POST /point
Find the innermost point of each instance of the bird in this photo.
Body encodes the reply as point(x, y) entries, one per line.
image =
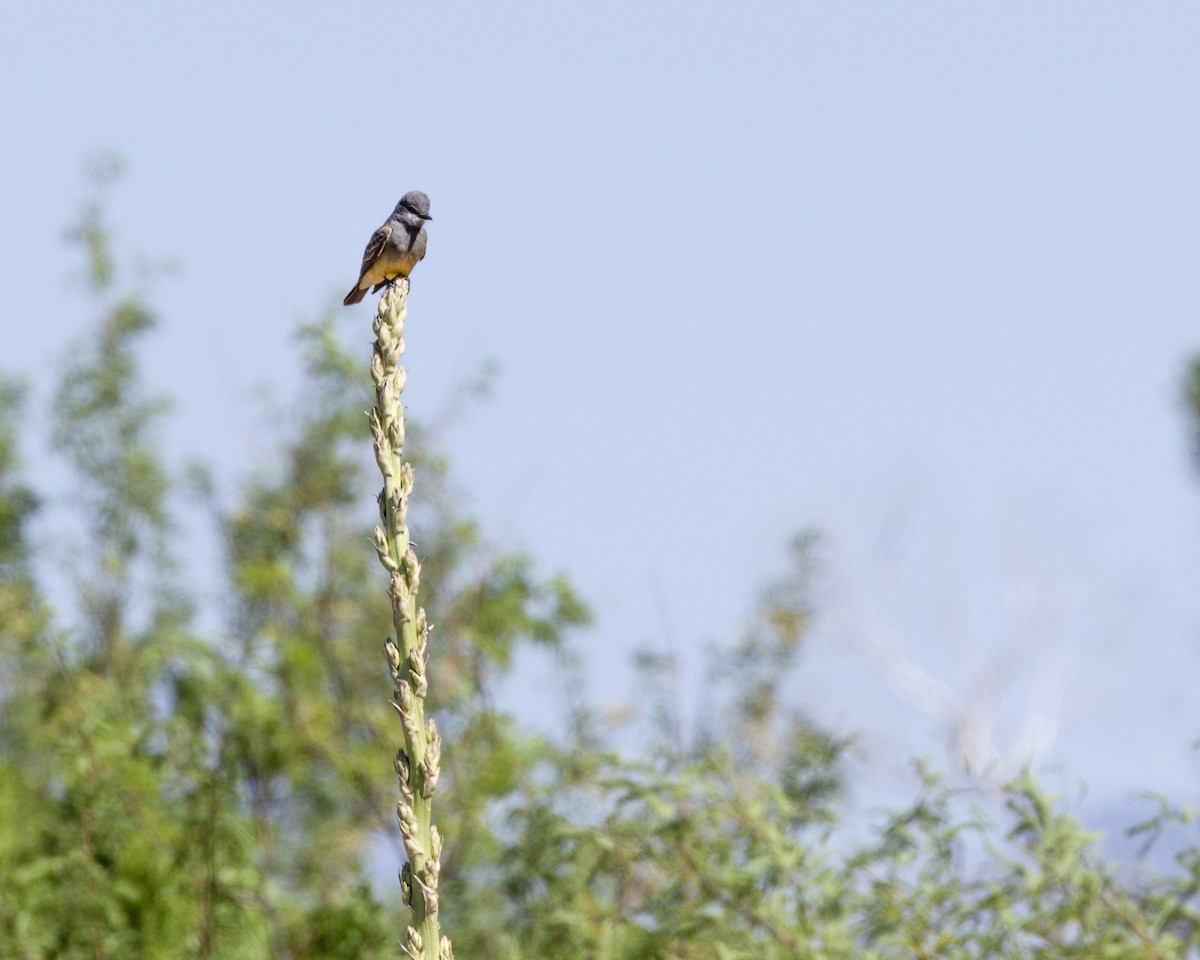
point(395, 248)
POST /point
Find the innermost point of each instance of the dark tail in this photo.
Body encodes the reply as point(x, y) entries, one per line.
point(354, 296)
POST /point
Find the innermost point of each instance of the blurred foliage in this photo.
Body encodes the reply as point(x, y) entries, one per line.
point(1191, 397)
point(196, 773)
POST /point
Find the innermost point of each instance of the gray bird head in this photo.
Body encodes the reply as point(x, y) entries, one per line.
point(413, 207)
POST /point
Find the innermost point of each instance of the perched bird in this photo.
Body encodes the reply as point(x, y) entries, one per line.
point(394, 248)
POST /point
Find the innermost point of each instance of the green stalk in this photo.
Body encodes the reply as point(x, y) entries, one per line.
point(417, 762)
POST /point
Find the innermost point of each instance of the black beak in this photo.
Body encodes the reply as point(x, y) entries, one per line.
point(427, 217)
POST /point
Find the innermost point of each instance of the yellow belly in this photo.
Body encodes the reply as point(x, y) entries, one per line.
point(390, 265)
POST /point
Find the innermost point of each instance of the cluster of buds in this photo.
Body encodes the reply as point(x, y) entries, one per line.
point(417, 762)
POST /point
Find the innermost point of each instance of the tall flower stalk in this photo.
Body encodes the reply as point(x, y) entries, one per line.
point(417, 761)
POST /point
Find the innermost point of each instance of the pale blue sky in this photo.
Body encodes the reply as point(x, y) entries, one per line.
point(920, 275)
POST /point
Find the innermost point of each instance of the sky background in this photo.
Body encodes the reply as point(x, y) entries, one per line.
point(920, 276)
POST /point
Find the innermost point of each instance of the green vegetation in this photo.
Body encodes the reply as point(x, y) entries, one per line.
point(190, 773)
